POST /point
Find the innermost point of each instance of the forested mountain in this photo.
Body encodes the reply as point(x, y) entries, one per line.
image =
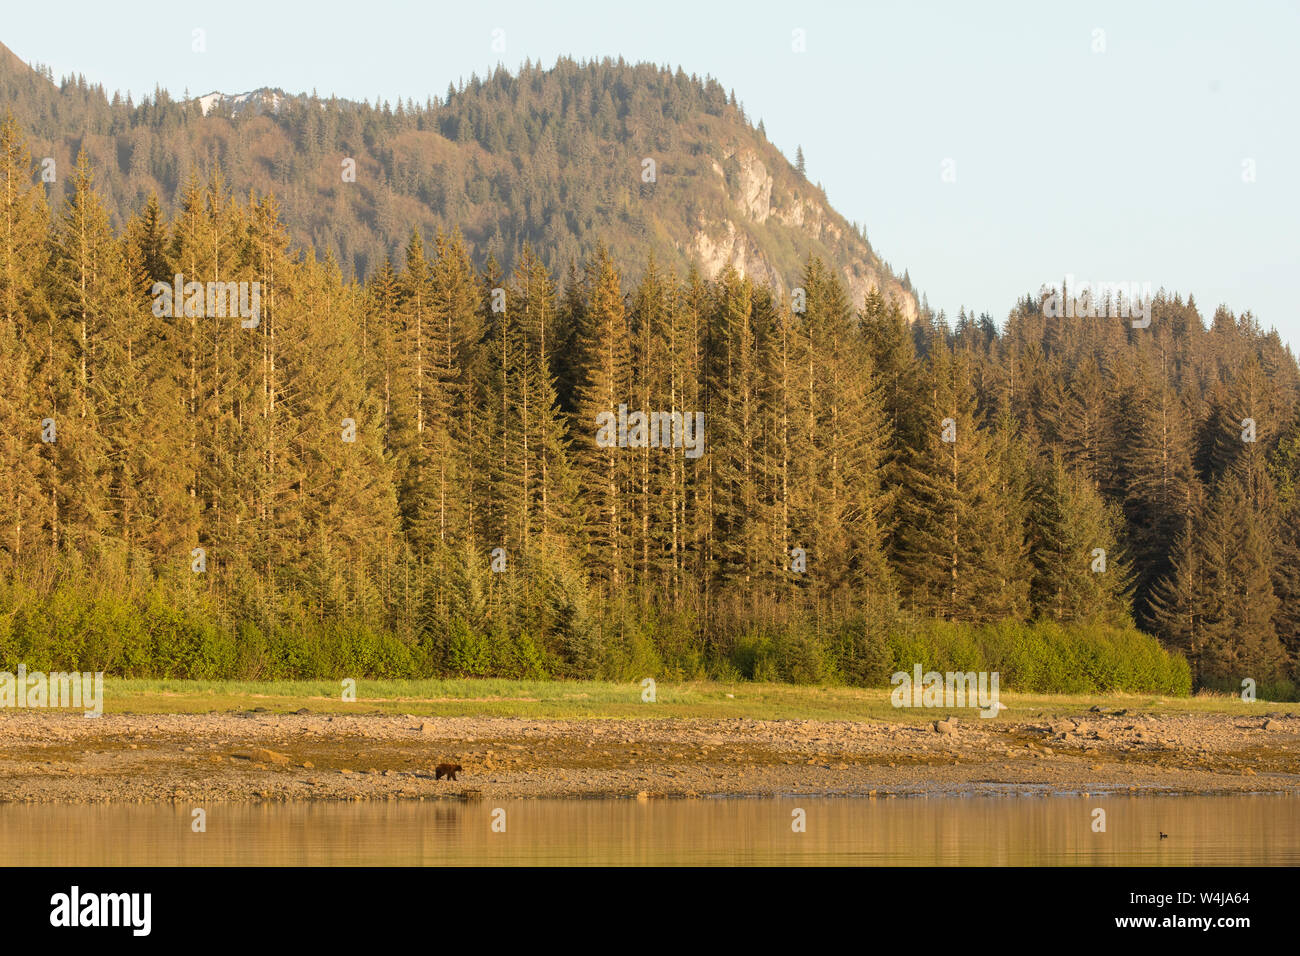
point(445, 468)
point(557, 158)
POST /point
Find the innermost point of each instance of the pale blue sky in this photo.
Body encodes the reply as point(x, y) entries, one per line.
point(1122, 165)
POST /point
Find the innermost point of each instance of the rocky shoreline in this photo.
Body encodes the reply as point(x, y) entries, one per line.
point(259, 756)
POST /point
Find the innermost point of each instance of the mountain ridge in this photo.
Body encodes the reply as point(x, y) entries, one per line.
point(554, 157)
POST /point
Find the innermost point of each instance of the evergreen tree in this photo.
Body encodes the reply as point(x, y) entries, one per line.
point(950, 505)
point(1079, 575)
point(605, 467)
point(24, 404)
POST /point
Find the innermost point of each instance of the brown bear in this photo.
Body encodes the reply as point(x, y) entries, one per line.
point(448, 770)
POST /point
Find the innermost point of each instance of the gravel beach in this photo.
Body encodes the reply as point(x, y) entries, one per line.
point(250, 756)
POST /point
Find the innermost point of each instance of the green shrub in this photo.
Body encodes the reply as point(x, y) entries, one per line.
point(171, 631)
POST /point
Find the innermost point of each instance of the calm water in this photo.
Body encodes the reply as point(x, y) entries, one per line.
point(1249, 830)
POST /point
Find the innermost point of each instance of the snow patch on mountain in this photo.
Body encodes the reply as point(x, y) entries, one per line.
point(257, 100)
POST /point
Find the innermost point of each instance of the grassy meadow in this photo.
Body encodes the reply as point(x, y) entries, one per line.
point(602, 699)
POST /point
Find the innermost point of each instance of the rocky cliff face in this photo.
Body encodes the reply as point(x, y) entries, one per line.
point(756, 200)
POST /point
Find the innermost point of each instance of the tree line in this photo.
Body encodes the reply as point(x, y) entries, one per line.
point(407, 471)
